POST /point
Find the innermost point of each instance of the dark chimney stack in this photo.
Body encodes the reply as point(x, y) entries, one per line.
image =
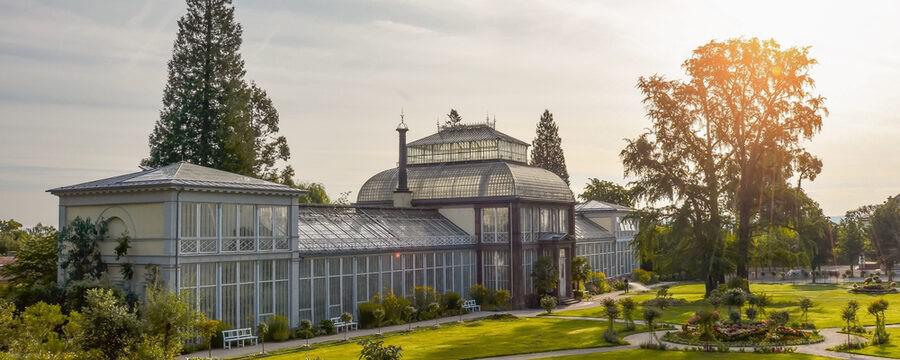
point(401, 183)
point(402, 195)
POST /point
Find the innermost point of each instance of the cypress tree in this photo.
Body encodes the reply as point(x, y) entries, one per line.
point(546, 150)
point(211, 116)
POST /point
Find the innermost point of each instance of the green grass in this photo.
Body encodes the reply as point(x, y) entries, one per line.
point(828, 301)
point(685, 355)
point(890, 350)
point(475, 339)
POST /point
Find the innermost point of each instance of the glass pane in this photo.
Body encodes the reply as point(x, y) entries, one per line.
point(188, 214)
point(208, 221)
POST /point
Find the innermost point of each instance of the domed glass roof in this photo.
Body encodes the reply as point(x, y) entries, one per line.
point(472, 180)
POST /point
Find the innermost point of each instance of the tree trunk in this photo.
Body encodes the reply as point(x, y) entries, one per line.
point(743, 240)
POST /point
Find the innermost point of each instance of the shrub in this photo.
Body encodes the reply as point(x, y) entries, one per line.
point(618, 285)
point(375, 350)
point(279, 329)
point(779, 318)
point(737, 283)
point(326, 327)
point(578, 294)
point(598, 284)
point(501, 298)
point(548, 303)
point(628, 307)
point(734, 317)
point(393, 308)
point(642, 276)
point(423, 296)
point(367, 318)
point(480, 294)
point(751, 313)
point(305, 331)
point(452, 301)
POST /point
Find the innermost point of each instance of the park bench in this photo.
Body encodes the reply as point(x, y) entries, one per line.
point(470, 305)
point(341, 325)
point(237, 335)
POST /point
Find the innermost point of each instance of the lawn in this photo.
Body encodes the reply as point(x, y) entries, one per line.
point(686, 355)
point(828, 301)
point(476, 339)
point(891, 350)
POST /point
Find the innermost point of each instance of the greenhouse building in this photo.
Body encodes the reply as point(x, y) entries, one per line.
point(462, 207)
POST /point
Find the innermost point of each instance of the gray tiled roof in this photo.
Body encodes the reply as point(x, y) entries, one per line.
point(182, 174)
point(469, 180)
point(595, 205)
point(459, 133)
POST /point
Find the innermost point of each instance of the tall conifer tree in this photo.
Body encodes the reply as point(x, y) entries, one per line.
point(546, 151)
point(211, 116)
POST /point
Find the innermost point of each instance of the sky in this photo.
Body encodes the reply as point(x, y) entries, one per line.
point(81, 82)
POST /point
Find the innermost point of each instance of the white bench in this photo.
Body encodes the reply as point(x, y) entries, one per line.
point(470, 305)
point(341, 325)
point(237, 335)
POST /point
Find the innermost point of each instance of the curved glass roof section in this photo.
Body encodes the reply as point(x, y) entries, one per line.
point(327, 229)
point(468, 181)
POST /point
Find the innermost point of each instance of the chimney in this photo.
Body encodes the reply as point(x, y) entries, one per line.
point(402, 195)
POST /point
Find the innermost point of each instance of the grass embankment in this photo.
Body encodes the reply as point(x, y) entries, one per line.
point(475, 339)
point(828, 301)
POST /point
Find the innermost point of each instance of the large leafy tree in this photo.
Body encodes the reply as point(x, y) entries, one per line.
point(36, 260)
point(11, 233)
point(885, 222)
point(211, 116)
point(732, 129)
point(607, 191)
point(83, 237)
point(760, 95)
point(546, 150)
point(853, 235)
point(108, 324)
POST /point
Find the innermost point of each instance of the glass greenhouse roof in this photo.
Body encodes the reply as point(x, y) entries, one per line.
point(324, 229)
point(469, 181)
point(585, 229)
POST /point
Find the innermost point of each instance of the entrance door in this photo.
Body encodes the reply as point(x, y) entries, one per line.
point(563, 286)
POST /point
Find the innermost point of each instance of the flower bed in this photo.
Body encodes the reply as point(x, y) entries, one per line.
point(874, 285)
point(745, 335)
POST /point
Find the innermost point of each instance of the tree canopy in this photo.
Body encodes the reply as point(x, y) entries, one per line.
point(546, 150)
point(885, 233)
point(211, 115)
point(36, 261)
point(607, 191)
point(722, 137)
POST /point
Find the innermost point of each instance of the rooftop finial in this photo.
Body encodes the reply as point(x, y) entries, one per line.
point(402, 126)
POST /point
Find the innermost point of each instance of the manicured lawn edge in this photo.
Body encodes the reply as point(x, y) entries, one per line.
point(301, 350)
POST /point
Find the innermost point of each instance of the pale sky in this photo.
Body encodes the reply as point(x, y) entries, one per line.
point(81, 82)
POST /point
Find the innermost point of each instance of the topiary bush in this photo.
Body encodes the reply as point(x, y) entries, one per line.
point(326, 327)
point(548, 303)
